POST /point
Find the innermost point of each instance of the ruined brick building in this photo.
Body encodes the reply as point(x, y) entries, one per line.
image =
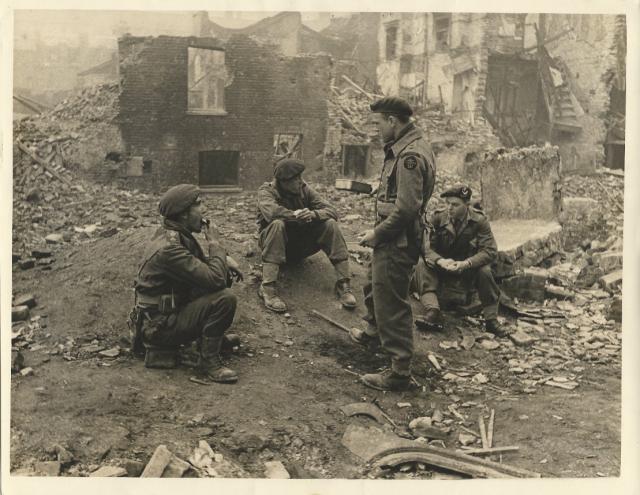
point(216, 112)
point(517, 71)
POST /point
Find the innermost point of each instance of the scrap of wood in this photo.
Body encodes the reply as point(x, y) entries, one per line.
point(432, 359)
point(350, 122)
point(446, 459)
point(471, 432)
point(494, 450)
point(490, 431)
point(42, 163)
point(483, 432)
point(358, 88)
point(329, 320)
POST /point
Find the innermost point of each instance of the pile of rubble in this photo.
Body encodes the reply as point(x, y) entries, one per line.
point(94, 104)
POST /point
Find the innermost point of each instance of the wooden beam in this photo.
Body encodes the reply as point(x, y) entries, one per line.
point(42, 163)
point(494, 450)
point(490, 428)
point(483, 432)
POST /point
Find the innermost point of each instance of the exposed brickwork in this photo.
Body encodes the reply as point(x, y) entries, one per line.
point(266, 93)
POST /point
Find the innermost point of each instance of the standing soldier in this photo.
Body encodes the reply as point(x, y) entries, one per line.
point(406, 184)
point(181, 294)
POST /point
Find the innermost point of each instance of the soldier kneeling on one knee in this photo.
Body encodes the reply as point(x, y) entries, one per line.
point(182, 294)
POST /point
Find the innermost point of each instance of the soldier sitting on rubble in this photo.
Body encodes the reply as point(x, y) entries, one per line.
point(294, 223)
point(462, 246)
point(182, 294)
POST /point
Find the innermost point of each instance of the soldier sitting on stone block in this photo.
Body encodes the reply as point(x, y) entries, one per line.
point(182, 293)
point(462, 247)
point(294, 223)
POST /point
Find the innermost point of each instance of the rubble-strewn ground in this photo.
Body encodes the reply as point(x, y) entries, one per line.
point(80, 401)
point(296, 371)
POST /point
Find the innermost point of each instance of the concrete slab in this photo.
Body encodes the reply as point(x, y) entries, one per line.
point(524, 243)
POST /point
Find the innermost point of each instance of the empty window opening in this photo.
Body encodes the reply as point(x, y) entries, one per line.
point(392, 42)
point(207, 77)
point(218, 168)
point(354, 160)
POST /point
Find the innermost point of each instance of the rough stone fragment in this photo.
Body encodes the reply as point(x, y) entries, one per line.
point(28, 300)
point(53, 239)
point(19, 313)
point(276, 470)
point(611, 281)
point(27, 264)
point(522, 339)
point(48, 468)
point(109, 472)
point(158, 462)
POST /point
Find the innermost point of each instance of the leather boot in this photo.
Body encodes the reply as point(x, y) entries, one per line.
point(430, 320)
point(210, 365)
point(345, 294)
point(269, 294)
point(365, 339)
point(493, 326)
point(388, 380)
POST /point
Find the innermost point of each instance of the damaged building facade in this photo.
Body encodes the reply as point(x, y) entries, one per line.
point(217, 113)
point(534, 78)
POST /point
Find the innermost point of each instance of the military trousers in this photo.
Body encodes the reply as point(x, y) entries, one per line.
point(210, 314)
point(282, 242)
point(386, 297)
point(428, 278)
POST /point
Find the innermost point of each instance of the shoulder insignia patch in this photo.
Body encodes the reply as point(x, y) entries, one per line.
point(173, 237)
point(410, 162)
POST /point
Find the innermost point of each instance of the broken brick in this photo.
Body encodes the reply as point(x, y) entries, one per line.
point(109, 472)
point(53, 239)
point(48, 468)
point(611, 281)
point(608, 261)
point(28, 300)
point(176, 468)
point(41, 253)
point(521, 338)
point(19, 313)
point(27, 264)
point(276, 470)
point(158, 462)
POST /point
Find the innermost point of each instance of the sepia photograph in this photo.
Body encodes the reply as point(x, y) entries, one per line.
point(315, 245)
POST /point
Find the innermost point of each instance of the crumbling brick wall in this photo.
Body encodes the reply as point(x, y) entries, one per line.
point(266, 93)
point(589, 53)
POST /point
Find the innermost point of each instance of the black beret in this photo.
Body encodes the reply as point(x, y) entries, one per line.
point(177, 199)
point(458, 191)
point(392, 104)
point(288, 168)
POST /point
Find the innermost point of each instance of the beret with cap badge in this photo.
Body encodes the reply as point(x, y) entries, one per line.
point(458, 191)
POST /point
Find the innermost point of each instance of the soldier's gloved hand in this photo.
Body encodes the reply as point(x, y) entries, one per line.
point(234, 269)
